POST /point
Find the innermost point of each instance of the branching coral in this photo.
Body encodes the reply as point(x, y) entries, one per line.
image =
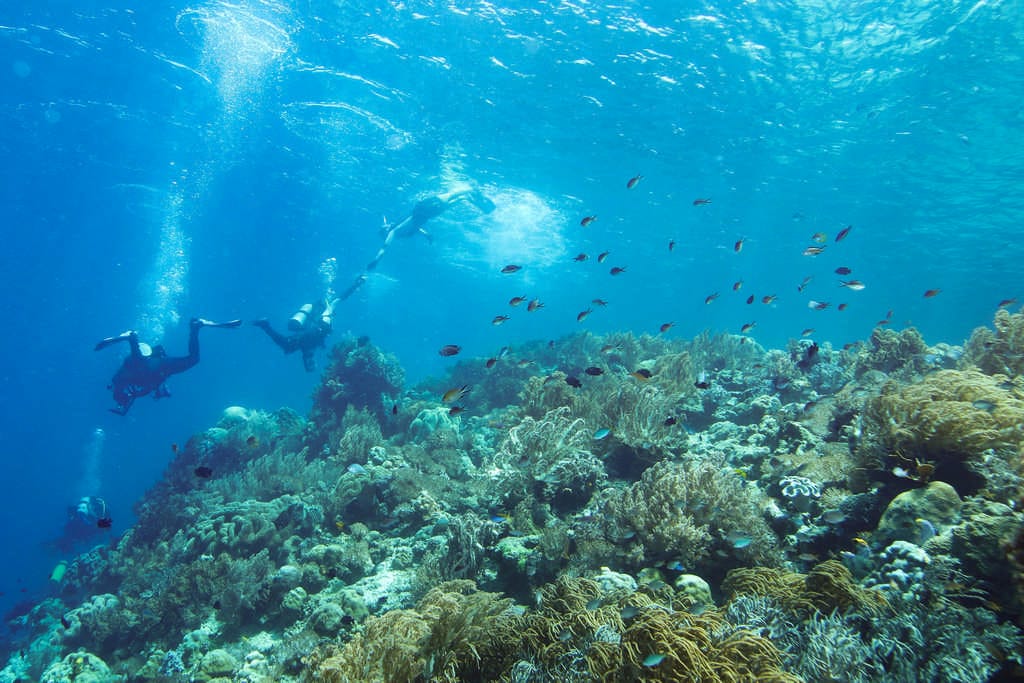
point(998, 351)
point(890, 351)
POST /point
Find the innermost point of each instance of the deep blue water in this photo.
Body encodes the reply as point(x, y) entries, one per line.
point(164, 160)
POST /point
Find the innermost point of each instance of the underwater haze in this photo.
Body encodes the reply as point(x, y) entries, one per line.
point(169, 160)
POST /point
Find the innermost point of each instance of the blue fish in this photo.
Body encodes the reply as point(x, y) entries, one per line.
point(356, 468)
point(602, 434)
point(653, 660)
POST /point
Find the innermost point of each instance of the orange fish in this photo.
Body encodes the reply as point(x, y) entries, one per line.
point(813, 251)
point(617, 270)
point(737, 285)
point(499, 319)
point(855, 285)
point(665, 327)
point(768, 298)
point(455, 394)
point(748, 327)
point(710, 297)
point(587, 220)
point(738, 247)
point(599, 302)
point(631, 183)
point(843, 233)
point(582, 315)
point(931, 292)
point(516, 300)
point(602, 256)
point(534, 305)
point(580, 257)
point(701, 201)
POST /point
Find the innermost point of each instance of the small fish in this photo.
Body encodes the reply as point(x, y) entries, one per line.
point(534, 305)
point(834, 516)
point(861, 542)
point(594, 604)
point(748, 327)
point(524, 362)
point(511, 268)
point(599, 302)
point(739, 540)
point(355, 468)
point(174, 448)
point(843, 233)
point(490, 363)
point(1006, 302)
point(455, 394)
point(671, 245)
point(573, 382)
point(216, 604)
point(499, 319)
point(394, 409)
point(883, 321)
point(339, 525)
point(642, 374)
point(888, 315)
point(665, 327)
point(203, 472)
point(500, 517)
point(807, 332)
point(516, 300)
point(580, 257)
point(855, 285)
point(803, 284)
point(629, 611)
point(841, 307)
point(455, 410)
point(843, 270)
point(928, 531)
point(582, 315)
point(449, 350)
point(602, 434)
point(813, 251)
point(653, 660)
point(669, 421)
point(931, 292)
point(587, 220)
point(817, 305)
point(104, 522)
point(768, 299)
point(701, 201)
point(346, 619)
point(602, 256)
point(616, 270)
point(750, 299)
point(710, 297)
point(738, 247)
point(982, 404)
point(819, 237)
point(64, 622)
point(702, 381)
point(608, 348)
point(631, 183)
point(252, 442)
point(594, 371)
point(901, 472)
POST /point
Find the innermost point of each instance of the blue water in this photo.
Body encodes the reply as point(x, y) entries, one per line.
point(165, 160)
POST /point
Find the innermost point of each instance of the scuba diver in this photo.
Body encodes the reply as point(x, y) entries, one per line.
point(89, 518)
point(146, 368)
point(426, 209)
point(309, 327)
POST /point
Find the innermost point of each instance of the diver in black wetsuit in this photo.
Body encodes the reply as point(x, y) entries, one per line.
point(146, 369)
point(309, 328)
point(425, 210)
point(87, 520)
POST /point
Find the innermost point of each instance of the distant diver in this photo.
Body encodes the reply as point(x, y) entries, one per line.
point(425, 210)
point(86, 520)
point(146, 368)
point(310, 327)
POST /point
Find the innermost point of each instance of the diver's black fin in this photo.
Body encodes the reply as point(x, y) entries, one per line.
point(104, 343)
point(210, 323)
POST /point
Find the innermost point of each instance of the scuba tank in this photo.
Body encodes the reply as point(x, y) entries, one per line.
point(57, 575)
point(298, 321)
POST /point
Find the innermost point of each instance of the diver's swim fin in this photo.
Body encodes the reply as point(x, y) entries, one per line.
point(481, 201)
point(104, 343)
point(209, 323)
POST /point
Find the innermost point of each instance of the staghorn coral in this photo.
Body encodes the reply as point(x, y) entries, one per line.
point(949, 417)
point(1000, 350)
point(827, 587)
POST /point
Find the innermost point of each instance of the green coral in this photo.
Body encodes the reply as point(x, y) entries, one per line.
point(890, 351)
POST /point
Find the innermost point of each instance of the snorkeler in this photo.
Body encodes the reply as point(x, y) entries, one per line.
point(309, 327)
point(146, 368)
point(426, 209)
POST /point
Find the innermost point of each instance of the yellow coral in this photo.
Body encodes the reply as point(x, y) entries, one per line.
point(828, 586)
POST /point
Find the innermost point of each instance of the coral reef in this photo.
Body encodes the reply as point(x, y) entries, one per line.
point(998, 351)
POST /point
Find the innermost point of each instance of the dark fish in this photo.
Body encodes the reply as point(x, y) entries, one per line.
point(587, 220)
point(516, 300)
point(669, 421)
point(573, 382)
point(602, 256)
point(642, 373)
point(702, 384)
point(710, 297)
point(768, 298)
point(450, 349)
point(490, 362)
point(347, 620)
point(252, 442)
point(510, 268)
point(174, 448)
point(843, 270)
point(747, 327)
point(499, 319)
point(104, 522)
point(534, 305)
point(599, 302)
point(594, 371)
point(455, 410)
point(582, 315)
point(738, 247)
point(843, 233)
point(931, 292)
point(700, 201)
point(581, 257)
point(616, 270)
point(394, 409)
point(665, 327)
point(217, 604)
point(841, 307)
point(64, 622)
point(737, 285)
point(1006, 302)
point(810, 357)
point(750, 299)
point(671, 245)
point(631, 183)
point(203, 472)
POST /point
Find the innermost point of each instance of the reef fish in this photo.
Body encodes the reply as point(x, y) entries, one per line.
point(582, 315)
point(594, 371)
point(499, 319)
point(616, 270)
point(573, 382)
point(455, 394)
point(602, 434)
point(631, 183)
point(855, 285)
point(511, 268)
point(843, 270)
point(516, 300)
point(931, 292)
point(203, 472)
point(450, 350)
point(701, 201)
point(587, 220)
point(653, 659)
point(602, 256)
point(843, 233)
point(580, 257)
